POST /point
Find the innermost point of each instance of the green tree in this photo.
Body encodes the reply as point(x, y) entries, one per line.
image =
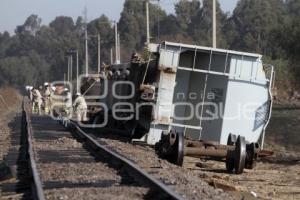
point(256, 21)
point(80, 25)
point(186, 10)
point(31, 25)
point(18, 71)
point(132, 24)
point(103, 26)
point(201, 25)
point(5, 43)
point(170, 30)
point(63, 25)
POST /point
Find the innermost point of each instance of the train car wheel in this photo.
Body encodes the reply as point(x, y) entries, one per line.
point(171, 147)
point(178, 149)
point(251, 155)
point(230, 154)
point(240, 155)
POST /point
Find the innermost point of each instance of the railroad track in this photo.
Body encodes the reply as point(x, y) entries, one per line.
point(69, 163)
point(37, 187)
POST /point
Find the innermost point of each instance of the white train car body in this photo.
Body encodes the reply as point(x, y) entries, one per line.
point(208, 93)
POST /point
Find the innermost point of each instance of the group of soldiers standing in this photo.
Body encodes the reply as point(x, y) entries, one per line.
point(44, 99)
point(39, 97)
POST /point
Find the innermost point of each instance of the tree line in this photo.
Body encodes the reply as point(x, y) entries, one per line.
point(37, 52)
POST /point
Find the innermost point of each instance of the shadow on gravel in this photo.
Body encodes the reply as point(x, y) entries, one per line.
point(221, 171)
point(108, 133)
point(39, 122)
point(282, 108)
point(282, 161)
point(57, 185)
point(64, 156)
point(17, 159)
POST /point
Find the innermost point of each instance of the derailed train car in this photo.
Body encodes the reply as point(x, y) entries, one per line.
point(191, 101)
point(117, 99)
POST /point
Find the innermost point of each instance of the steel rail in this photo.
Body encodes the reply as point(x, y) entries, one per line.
point(136, 170)
point(37, 184)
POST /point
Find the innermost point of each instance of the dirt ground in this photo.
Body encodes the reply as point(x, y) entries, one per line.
point(184, 181)
point(10, 104)
point(276, 177)
point(5, 136)
point(273, 178)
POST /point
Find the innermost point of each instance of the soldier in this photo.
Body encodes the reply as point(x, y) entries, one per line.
point(37, 101)
point(80, 107)
point(29, 92)
point(68, 103)
point(47, 98)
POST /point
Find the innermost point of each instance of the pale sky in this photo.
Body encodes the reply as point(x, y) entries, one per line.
point(15, 12)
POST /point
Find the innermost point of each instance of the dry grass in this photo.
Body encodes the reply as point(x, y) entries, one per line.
point(9, 98)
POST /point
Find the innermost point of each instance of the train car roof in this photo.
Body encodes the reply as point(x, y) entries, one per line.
point(193, 47)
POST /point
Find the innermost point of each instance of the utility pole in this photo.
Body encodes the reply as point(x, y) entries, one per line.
point(86, 44)
point(147, 23)
point(70, 54)
point(116, 43)
point(99, 53)
point(68, 72)
point(158, 21)
point(86, 54)
point(119, 48)
point(111, 56)
point(71, 68)
point(77, 71)
point(214, 26)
